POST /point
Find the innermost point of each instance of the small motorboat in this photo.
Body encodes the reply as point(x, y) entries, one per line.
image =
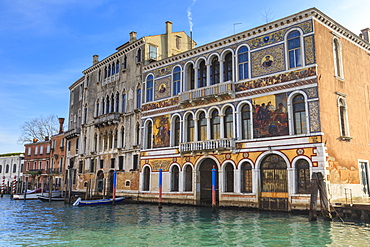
point(80, 202)
point(53, 199)
point(34, 194)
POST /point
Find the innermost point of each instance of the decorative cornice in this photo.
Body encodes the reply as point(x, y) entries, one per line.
point(295, 18)
point(115, 55)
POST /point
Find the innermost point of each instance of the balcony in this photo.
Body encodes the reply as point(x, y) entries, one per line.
point(34, 172)
point(110, 79)
point(207, 93)
point(52, 171)
point(72, 133)
point(209, 145)
point(107, 119)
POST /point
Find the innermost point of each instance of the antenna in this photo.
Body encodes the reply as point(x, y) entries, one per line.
point(236, 24)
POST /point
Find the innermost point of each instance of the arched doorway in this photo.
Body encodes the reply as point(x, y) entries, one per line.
point(205, 176)
point(110, 185)
point(274, 183)
point(100, 181)
point(146, 184)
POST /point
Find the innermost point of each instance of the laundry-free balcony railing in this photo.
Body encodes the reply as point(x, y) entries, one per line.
point(208, 145)
point(208, 92)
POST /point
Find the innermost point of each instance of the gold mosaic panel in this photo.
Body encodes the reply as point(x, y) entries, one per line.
point(314, 116)
point(277, 36)
point(162, 88)
point(268, 61)
point(309, 49)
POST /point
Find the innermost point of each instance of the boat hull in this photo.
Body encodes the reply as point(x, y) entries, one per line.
point(47, 198)
point(97, 202)
point(35, 196)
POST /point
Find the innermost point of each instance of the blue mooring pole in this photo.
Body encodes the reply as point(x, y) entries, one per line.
point(114, 185)
point(160, 189)
point(214, 186)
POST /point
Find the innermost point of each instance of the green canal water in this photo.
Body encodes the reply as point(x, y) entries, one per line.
point(36, 223)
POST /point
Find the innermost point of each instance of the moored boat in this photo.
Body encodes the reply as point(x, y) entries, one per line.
point(80, 202)
point(47, 198)
point(34, 194)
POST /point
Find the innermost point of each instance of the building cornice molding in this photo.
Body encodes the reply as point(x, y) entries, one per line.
point(115, 55)
point(311, 13)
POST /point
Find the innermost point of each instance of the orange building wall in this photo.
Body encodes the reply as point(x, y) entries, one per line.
point(343, 156)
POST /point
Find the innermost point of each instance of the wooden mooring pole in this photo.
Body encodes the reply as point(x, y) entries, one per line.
point(318, 185)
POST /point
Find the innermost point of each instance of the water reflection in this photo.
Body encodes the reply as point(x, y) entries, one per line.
point(34, 223)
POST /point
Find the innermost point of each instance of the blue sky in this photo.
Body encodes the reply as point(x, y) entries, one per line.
point(46, 44)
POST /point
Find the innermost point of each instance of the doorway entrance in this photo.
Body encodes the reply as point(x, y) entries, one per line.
point(274, 183)
point(205, 176)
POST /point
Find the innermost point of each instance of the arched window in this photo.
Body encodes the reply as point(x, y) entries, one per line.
point(202, 74)
point(124, 63)
point(303, 182)
point(190, 128)
point(105, 72)
point(294, 49)
point(117, 103)
point(7, 168)
point(175, 178)
point(138, 97)
point(97, 108)
point(343, 118)
point(176, 132)
point(146, 184)
point(115, 142)
point(124, 103)
point(117, 67)
point(149, 133)
point(107, 105)
point(176, 81)
point(228, 123)
point(113, 68)
point(95, 142)
point(243, 63)
point(246, 122)
point(110, 140)
point(85, 115)
point(246, 178)
point(215, 125)
point(215, 71)
point(190, 77)
point(99, 75)
point(122, 137)
point(338, 69)
point(299, 113)
point(202, 127)
point(137, 134)
point(229, 178)
point(112, 103)
point(149, 89)
point(1, 168)
point(228, 67)
point(188, 178)
point(138, 56)
point(109, 70)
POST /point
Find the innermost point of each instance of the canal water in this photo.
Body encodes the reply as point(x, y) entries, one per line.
point(36, 223)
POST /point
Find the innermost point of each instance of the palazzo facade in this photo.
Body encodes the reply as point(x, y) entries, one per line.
point(266, 108)
point(104, 125)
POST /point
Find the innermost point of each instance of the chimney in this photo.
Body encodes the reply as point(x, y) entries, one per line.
point(169, 38)
point(61, 122)
point(132, 36)
point(46, 138)
point(95, 59)
point(35, 140)
point(365, 34)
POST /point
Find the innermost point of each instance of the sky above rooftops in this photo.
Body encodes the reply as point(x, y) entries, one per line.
point(46, 44)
